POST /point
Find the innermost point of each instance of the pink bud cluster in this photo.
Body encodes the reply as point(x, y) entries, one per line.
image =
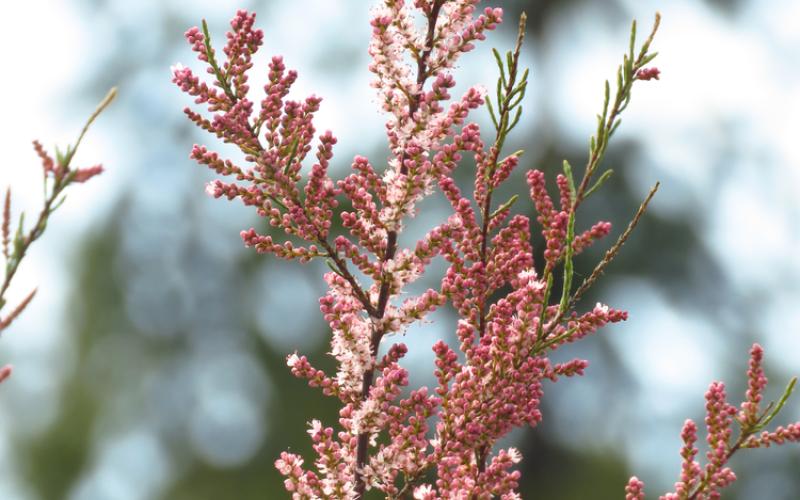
point(398, 48)
point(271, 183)
point(554, 223)
point(781, 434)
point(60, 171)
point(634, 490)
point(648, 74)
point(498, 386)
point(494, 380)
point(705, 483)
point(757, 381)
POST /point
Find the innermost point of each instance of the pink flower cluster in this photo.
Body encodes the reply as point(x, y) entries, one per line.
point(60, 171)
point(705, 483)
point(389, 437)
point(648, 74)
point(494, 381)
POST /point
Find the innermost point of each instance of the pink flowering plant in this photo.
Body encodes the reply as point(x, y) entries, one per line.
point(514, 312)
point(705, 483)
point(57, 174)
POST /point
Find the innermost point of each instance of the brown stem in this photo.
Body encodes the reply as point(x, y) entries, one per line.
point(391, 249)
point(341, 266)
point(482, 453)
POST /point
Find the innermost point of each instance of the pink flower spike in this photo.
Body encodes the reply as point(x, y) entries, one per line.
point(635, 489)
point(690, 470)
point(492, 379)
point(757, 381)
point(48, 163)
point(5, 372)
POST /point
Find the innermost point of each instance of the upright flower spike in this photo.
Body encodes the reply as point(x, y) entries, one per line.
point(690, 469)
point(757, 382)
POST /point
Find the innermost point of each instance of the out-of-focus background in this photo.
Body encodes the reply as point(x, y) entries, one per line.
point(151, 363)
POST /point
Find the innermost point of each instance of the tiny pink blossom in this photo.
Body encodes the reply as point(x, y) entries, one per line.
point(648, 73)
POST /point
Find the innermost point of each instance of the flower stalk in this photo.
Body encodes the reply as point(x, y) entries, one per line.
point(57, 175)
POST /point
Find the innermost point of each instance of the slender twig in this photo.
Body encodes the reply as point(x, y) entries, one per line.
point(502, 131)
point(626, 75)
point(600, 268)
point(612, 252)
point(15, 251)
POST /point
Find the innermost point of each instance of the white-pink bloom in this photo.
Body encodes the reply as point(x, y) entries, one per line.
point(316, 427)
point(514, 455)
point(424, 492)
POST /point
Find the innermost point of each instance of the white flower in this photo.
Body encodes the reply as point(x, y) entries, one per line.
point(316, 427)
point(514, 455)
point(292, 360)
point(177, 67)
point(211, 189)
point(601, 308)
point(422, 492)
